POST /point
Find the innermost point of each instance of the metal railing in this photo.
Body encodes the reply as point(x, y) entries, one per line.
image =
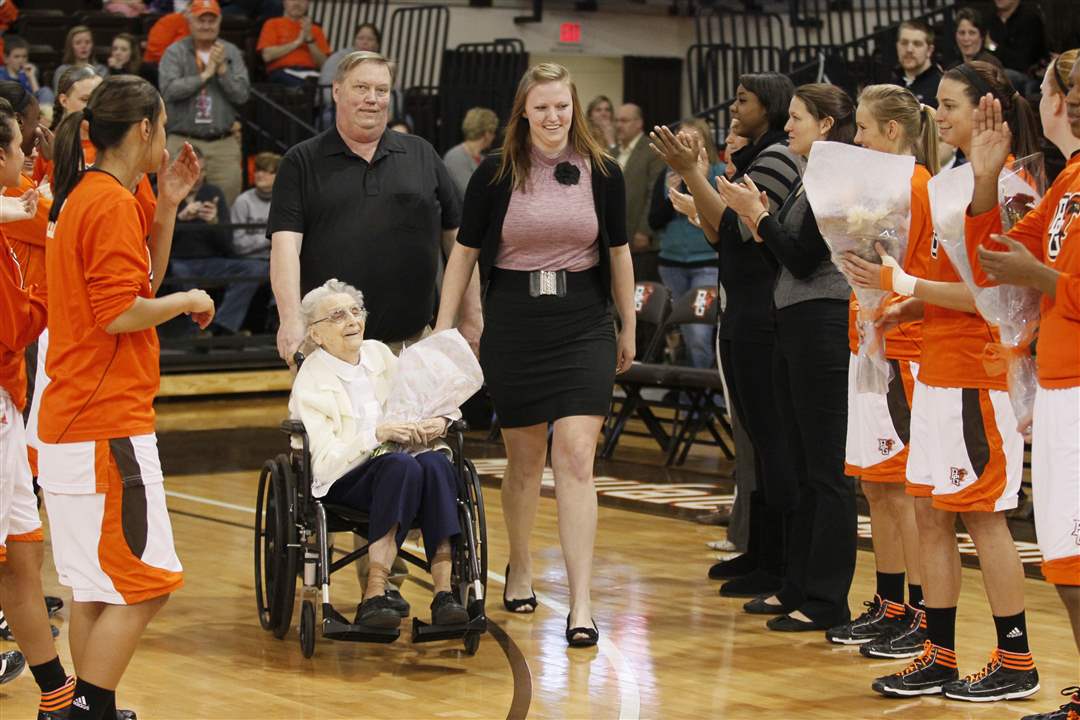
point(478, 74)
point(416, 40)
point(339, 19)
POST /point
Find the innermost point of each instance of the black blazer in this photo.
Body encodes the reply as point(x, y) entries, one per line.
point(486, 203)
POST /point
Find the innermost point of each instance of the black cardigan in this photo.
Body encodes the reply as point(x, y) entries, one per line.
point(486, 202)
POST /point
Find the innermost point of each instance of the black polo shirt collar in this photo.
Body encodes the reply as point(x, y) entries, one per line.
point(333, 144)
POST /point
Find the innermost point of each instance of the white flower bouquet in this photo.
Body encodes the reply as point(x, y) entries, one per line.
point(434, 377)
point(861, 198)
point(1013, 310)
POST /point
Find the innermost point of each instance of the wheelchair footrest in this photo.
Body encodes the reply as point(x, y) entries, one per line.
point(425, 632)
point(336, 627)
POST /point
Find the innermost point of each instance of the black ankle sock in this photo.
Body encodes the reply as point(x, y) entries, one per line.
point(1012, 633)
point(49, 676)
point(914, 593)
point(941, 626)
point(91, 702)
point(890, 586)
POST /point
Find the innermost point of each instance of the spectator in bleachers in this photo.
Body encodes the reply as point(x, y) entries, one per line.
point(686, 259)
point(9, 13)
point(641, 167)
point(78, 50)
point(292, 46)
point(18, 68)
point(479, 127)
point(124, 57)
point(972, 37)
point(601, 115)
point(204, 82)
point(367, 38)
point(917, 70)
point(127, 8)
point(1019, 36)
point(253, 206)
point(167, 30)
point(371, 207)
point(201, 249)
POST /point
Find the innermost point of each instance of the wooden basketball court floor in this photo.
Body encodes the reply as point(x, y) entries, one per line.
point(670, 646)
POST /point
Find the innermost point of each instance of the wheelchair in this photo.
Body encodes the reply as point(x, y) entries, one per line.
point(292, 541)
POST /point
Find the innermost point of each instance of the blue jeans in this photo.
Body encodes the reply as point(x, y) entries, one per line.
point(248, 274)
point(699, 339)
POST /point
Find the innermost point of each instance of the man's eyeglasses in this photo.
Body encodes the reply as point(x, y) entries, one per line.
point(342, 315)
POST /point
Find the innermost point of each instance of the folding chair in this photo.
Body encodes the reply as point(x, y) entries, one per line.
point(652, 305)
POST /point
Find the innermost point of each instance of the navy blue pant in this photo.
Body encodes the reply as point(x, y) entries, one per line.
point(396, 489)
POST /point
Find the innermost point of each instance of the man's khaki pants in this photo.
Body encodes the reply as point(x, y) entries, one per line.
point(223, 160)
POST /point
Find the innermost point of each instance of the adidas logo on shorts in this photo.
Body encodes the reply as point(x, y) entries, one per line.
point(957, 475)
point(80, 702)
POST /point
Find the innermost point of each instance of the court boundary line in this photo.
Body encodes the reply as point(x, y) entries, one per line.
point(629, 689)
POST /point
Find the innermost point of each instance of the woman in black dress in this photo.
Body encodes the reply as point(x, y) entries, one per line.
point(545, 219)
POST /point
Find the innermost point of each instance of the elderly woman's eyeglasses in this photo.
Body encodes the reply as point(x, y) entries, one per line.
point(342, 315)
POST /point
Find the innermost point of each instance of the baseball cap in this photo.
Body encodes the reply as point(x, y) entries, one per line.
point(202, 7)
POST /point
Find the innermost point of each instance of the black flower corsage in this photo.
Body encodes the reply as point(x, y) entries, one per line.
point(567, 173)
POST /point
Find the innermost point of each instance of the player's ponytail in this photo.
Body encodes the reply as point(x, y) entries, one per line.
point(928, 140)
point(115, 105)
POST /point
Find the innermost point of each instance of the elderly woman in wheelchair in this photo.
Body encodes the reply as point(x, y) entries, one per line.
point(397, 473)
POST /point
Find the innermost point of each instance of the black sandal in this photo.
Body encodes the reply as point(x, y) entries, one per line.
point(592, 635)
point(521, 606)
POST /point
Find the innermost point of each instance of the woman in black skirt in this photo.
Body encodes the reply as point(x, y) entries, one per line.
point(545, 219)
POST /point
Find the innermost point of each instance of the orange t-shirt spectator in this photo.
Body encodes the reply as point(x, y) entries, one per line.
point(167, 30)
point(292, 42)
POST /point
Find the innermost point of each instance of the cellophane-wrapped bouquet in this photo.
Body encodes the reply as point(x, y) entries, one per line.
point(434, 377)
point(860, 198)
point(1013, 310)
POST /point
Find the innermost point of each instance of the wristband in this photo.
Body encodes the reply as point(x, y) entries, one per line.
point(894, 279)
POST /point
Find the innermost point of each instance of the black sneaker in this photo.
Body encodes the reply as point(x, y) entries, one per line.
point(882, 618)
point(907, 643)
point(53, 604)
point(1068, 711)
point(1008, 676)
point(445, 610)
point(400, 604)
point(377, 612)
point(5, 631)
point(65, 713)
point(12, 663)
point(926, 675)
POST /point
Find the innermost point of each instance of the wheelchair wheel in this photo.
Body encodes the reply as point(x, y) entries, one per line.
point(263, 570)
point(463, 570)
point(479, 520)
point(307, 628)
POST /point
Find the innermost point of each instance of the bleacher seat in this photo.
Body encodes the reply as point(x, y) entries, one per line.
point(43, 27)
point(106, 26)
point(47, 58)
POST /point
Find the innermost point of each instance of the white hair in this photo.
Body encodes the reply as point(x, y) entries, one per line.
point(309, 306)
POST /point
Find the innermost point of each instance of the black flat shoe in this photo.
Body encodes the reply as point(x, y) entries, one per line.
point(786, 623)
point(445, 610)
point(758, 606)
point(756, 583)
point(573, 635)
point(521, 606)
point(400, 604)
point(377, 612)
point(735, 567)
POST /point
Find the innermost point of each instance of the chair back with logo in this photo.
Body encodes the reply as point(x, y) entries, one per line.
point(652, 306)
point(698, 306)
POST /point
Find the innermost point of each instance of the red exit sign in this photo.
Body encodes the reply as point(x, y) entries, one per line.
point(570, 33)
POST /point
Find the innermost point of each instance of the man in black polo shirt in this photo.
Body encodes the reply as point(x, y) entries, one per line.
point(369, 207)
point(917, 71)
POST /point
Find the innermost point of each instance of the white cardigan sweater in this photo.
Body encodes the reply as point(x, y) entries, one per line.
point(319, 400)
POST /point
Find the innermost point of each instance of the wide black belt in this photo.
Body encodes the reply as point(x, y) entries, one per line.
point(540, 283)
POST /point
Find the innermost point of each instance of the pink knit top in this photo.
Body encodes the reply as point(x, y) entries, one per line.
point(550, 226)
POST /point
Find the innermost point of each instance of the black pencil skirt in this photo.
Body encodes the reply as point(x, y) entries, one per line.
point(547, 357)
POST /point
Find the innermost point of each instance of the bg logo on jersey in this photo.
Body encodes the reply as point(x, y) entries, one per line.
point(885, 446)
point(1067, 210)
point(642, 293)
point(957, 475)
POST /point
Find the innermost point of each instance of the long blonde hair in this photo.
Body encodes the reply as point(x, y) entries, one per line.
point(516, 147)
point(916, 121)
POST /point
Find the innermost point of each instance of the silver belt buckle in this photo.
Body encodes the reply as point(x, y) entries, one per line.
point(548, 283)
